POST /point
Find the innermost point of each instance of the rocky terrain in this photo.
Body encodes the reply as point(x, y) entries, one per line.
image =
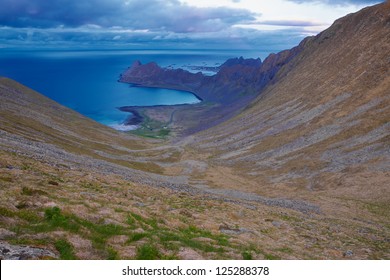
point(299, 170)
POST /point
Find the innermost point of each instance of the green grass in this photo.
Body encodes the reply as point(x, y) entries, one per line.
point(164, 132)
point(247, 255)
point(290, 218)
point(28, 216)
point(26, 166)
point(285, 250)
point(65, 249)
point(148, 252)
point(156, 234)
point(23, 214)
point(112, 254)
point(187, 238)
point(6, 212)
point(6, 179)
point(271, 257)
point(99, 233)
point(381, 209)
point(30, 192)
point(135, 219)
point(134, 237)
point(57, 220)
point(151, 128)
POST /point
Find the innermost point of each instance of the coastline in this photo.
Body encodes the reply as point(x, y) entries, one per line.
point(163, 87)
point(136, 118)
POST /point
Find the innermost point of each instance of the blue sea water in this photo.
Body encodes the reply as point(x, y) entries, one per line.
point(86, 81)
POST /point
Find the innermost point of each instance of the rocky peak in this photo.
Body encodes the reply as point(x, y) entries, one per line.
point(242, 61)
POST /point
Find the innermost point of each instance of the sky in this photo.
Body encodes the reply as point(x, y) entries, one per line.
point(167, 24)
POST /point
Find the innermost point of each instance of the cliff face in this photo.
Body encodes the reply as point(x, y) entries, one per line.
point(151, 75)
point(236, 78)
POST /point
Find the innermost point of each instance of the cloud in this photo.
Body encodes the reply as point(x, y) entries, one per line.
point(85, 37)
point(146, 23)
point(137, 14)
point(288, 23)
point(117, 22)
point(339, 2)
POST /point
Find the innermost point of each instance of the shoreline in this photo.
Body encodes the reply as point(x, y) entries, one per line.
point(136, 118)
point(163, 87)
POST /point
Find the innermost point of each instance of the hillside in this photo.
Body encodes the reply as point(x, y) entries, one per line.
point(321, 133)
point(301, 172)
point(72, 188)
point(327, 113)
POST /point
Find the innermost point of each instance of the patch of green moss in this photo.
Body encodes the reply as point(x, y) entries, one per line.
point(112, 254)
point(247, 255)
point(148, 252)
point(30, 191)
point(56, 219)
point(65, 249)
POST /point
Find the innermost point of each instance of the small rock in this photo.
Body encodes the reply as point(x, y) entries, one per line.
point(118, 239)
point(139, 230)
point(226, 229)
point(50, 204)
point(277, 224)
point(15, 252)
point(139, 204)
point(5, 251)
point(348, 253)
point(186, 213)
point(189, 254)
point(204, 239)
point(108, 221)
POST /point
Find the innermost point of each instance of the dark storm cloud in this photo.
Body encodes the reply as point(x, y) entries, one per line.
point(142, 23)
point(339, 2)
point(90, 37)
point(135, 14)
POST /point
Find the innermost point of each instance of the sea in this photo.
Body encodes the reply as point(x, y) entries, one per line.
point(87, 80)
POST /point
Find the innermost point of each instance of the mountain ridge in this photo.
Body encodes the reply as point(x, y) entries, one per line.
point(311, 109)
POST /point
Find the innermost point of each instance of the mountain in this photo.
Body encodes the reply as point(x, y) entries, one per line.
point(300, 170)
point(327, 112)
point(235, 85)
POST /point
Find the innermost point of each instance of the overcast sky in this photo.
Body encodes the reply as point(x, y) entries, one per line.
point(153, 24)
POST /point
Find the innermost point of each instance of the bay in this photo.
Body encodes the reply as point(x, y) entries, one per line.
point(86, 81)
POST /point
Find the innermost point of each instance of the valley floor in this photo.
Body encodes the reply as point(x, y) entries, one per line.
point(73, 211)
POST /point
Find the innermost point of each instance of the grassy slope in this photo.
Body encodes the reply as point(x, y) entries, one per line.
point(59, 189)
